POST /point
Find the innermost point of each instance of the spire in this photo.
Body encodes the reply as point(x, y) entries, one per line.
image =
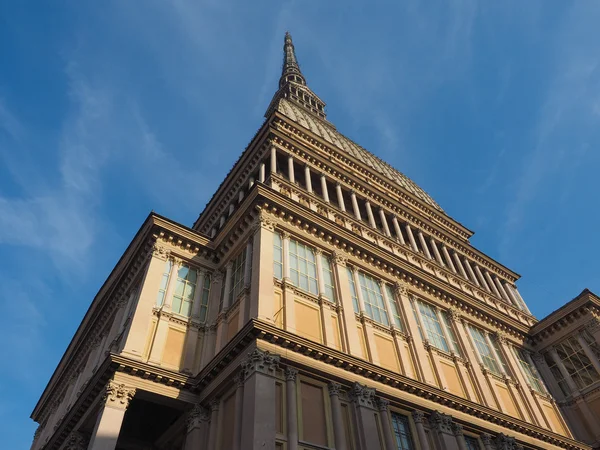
point(291, 69)
point(292, 84)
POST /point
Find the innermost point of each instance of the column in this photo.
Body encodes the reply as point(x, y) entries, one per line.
point(340, 196)
point(411, 238)
point(345, 298)
point(398, 230)
point(495, 353)
point(370, 214)
point(251, 179)
point(324, 188)
point(547, 376)
point(436, 252)
point(197, 427)
point(481, 278)
point(384, 222)
point(470, 271)
point(422, 362)
point(491, 283)
point(457, 429)
point(291, 174)
point(363, 400)
point(239, 417)
point(320, 280)
point(487, 441)
point(384, 415)
point(461, 269)
point(228, 281)
point(512, 296)
point(501, 289)
point(441, 425)
point(387, 303)
point(110, 418)
point(261, 287)
point(434, 361)
point(273, 160)
point(423, 244)
point(258, 428)
point(361, 300)
point(261, 173)
point(589, 352)
point(214, 424)
point(448, 259)
point(355, 207)
point(563, 371)
point(197, 302)
point(418, 417)
point(292, 408)
point(520, 298)
point(339, 433)
point(308, 179)
point(248, 264)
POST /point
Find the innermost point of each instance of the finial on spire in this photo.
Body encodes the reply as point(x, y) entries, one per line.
point(291, 69)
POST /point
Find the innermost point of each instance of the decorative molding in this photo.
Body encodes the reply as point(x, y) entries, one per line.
point(500, 337)
point(504, 442)
point(260, 361)
point(401, 288)
point(214, 404)
point(363, 395)
point(382, 404)
point(418, 416)
point(197, 415)
point(118, 395)
point(454, 314)
point(160, 251)
point(240, 378)
point(457, 429)
point(441, 422)
point(486, 439)
point(76, 441)
point(334, 388)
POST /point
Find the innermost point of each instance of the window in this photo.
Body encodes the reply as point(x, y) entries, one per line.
point(577, 363)
point(353, 290)
point(433, 327)
point(184, 291)
point(373, 298)
point(402, 432)
point(303, 267)
point(277, 256)
point(395, 309)
point(496, 346)
point(472, 443)
point(450, 332)
point(164, 282)
point(557, 373)
point(329, 293)
point(204, 298)
point(591, 342)
point(485, 352)
point(530, 372)
point(237, 276)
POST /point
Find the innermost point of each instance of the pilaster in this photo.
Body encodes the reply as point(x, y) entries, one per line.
point(197, 427)
point(115, 402)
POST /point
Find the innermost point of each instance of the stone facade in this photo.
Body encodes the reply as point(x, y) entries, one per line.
point(321, 300)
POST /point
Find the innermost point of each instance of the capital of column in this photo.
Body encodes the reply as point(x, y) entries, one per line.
point(401, 288)
point(504, 442)
point(318, 251)
point(291, 374)
point(441, 422)
point(418, 416)
point(538, 358)
point(214, 404)
point(285, 234)
point(160, 251)
point(118, 395)
point(197, 415)
point(334, 388)
point(340, 258)
point(382, 404)
point(486, 439)
point(363, 395)
point(76, 441)
point(453, 314)
point(264, 220)
point(260, 361)
point(240, 377)
point(457, 429)
point(500, 337)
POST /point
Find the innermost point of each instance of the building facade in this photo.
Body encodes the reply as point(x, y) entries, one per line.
point(322, 300)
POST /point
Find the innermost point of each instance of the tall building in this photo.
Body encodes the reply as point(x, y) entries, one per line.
point(322, 300)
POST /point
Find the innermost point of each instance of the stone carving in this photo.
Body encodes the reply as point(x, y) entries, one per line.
point(239, 378)
point(593, 325)
point(260, 361)
point(401, 288)
point(197, 415)
point(291, 374)
point(76, 441)
point(118, 395)
point(441, 422)
point(264, 221)
point(453, 315)
point(457, 429)
point(538, 358)
point(504, 442)
point(486, 439)
point(160, 251)
point(340, 259)
point(214, 404)
point(418, 416)
point(383, 404)
point(334, 388)
point(500, 337)
point(363, 395)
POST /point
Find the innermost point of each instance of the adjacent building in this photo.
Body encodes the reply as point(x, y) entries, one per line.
point(322, 300)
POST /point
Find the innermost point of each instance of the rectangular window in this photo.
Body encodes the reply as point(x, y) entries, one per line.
point(577, 363)
point(164, 282)
point(373, 298)
point(432, 325)
point(277, 256)
point(303, 267)
point(450, 332)
point(394, 305)
point(401, 432)
point(353, 290)
point(329, 293)
point(204, 298)
point(472, 443)
point(484, 350)
point(184, 291)
point(557, 374)
point(530, 372)
point(237, 276)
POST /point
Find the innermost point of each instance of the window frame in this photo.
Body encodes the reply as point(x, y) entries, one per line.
point(186, 283)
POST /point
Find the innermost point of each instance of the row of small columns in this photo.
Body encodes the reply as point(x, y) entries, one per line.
point(481, 279)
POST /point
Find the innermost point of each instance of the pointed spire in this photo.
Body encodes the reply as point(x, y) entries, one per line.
point(292, 85)
point(291, 69)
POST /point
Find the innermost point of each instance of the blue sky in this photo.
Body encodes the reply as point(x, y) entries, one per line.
point(111, 109)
